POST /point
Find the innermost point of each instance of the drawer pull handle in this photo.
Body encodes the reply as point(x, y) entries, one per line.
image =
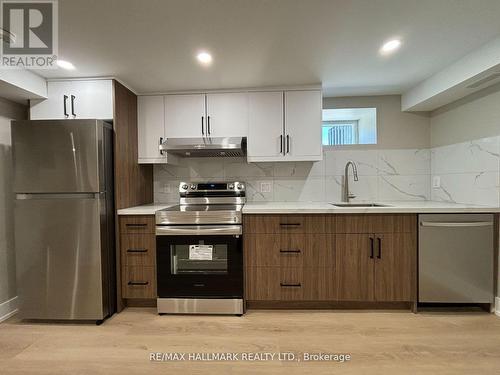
point(290, 224)
point(138, 282)
point(290, 251)
point(137, 250)
point(286, 285)
point(137, 225)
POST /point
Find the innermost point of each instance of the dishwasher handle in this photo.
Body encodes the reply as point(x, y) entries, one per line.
point(451, 224)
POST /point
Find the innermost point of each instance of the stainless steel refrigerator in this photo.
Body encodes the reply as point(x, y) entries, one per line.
point(64, 219)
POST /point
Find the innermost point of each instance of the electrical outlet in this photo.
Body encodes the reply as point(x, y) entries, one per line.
point(436, 182)
point(265, 187)
point(167, 188)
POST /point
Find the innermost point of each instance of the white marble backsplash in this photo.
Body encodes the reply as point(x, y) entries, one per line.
point(469, 172)
point(384, 175)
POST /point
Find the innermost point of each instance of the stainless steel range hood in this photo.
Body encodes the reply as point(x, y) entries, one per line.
point(205, 147)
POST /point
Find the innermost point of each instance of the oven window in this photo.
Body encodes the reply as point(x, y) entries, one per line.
point(199, 257)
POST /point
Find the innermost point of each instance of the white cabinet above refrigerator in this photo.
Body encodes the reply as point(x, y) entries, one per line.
point(75, 99)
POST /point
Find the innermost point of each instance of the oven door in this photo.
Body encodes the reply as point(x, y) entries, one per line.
point(199, 261)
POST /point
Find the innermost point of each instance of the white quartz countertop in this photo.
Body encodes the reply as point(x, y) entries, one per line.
point(325, 207)
point(392, 207)
point(146, 209)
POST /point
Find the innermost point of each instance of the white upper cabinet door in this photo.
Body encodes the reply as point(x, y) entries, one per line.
point(75, 100)
point(303, 125)
point(151, 128)
point(265, 127)
point(92, 99)
point(185, 116)
point(52, 108)
point(227, 114)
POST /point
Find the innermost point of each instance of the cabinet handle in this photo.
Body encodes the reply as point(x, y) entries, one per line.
point(379, 256)
point(138, 282)
point(73, 105)
point(371, 248)
point(202, 126)
point(65, 109)
point(160, 142)
point(286, 285)
point(136, 225)
point(208, 125)
point(290, 251)
point(287, 143)
point(137, 250)
point(290, 224)
point(281, 143)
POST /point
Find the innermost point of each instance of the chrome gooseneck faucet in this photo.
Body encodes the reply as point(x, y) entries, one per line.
point(346, 194)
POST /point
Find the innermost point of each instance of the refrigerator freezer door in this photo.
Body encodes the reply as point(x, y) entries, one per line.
point(57, 156)
point(58, 249)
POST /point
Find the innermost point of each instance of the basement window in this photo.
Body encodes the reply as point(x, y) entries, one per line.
point(349, 126)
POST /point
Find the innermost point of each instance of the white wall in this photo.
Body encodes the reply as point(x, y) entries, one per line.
point(465, 153)
point(474, 117)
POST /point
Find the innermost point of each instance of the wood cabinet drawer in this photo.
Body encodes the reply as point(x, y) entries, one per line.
point(274, 250)
point(284, 224)
point(290, 250)
point(290, 284)
point(371, 223)
point(138, 282)
point(274, 283)
point(137, 224)
point(138, 249)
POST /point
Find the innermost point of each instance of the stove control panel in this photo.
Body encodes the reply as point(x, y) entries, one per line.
point(213, 189)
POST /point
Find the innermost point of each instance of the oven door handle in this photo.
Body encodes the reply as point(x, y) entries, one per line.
point(198, 230)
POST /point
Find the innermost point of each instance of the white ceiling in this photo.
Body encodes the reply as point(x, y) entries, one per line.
point(150, 44)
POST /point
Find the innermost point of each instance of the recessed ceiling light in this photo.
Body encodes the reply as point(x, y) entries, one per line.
point(204, 58)
point(65, 65)
point(390, 46)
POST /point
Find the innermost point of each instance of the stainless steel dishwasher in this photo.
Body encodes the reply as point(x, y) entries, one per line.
point(456, 258)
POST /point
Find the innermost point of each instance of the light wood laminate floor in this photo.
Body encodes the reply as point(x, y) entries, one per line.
point(380, 343)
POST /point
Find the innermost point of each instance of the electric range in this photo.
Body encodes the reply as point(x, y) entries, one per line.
point(199, 250)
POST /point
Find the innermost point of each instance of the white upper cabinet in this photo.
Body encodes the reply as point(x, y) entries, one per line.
point(151, 128)
point(227, 114)
point(84, 99)
point(285, 126)
point(265, 127)
point(303, 125)
point(185, 116)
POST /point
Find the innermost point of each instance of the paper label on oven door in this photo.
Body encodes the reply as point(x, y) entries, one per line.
point(200, 252)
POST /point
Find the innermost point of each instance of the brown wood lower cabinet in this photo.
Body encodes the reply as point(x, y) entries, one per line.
point(395, 267)
point(138, 257)
point(339, 264)
point(354, 267)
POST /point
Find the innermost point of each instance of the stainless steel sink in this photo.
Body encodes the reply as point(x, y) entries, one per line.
point(359, 205)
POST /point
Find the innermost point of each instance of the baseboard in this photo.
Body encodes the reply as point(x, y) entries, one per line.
point(497, 306)
point(8, 309)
